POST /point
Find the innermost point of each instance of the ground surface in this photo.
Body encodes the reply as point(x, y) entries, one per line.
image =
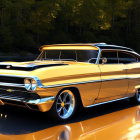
point(16, 122)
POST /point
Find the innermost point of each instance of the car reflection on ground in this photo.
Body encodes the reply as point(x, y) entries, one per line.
point(105, 122)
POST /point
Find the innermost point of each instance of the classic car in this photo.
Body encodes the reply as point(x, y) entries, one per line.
point(65, 77)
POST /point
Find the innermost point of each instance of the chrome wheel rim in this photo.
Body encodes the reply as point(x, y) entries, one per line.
point(65, 104)
point(138, 96)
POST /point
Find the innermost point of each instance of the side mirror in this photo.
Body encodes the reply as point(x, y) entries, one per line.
point(104, 60)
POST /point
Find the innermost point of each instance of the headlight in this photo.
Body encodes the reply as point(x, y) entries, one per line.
point(30, 84)
point(27, 83)
point(34, 84)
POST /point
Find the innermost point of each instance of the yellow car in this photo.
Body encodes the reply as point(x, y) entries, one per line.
point(67, 76)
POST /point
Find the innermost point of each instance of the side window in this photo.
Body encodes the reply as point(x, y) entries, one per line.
point(111, 57)
point(126, 58)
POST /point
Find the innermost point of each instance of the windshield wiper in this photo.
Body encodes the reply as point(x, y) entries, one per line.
point(56, 59)
point(64, 60)
point(43, 59)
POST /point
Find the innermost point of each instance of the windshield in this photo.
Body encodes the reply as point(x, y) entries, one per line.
point(69, 55)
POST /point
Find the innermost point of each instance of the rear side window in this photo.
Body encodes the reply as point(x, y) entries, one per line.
point(126, 58)
point(111, 57)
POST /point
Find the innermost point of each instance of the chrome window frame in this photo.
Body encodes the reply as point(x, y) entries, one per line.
point(131, 52)
point(98, 55)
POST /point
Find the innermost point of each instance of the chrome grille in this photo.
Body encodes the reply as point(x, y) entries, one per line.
point(8, 79)
point(17, 95)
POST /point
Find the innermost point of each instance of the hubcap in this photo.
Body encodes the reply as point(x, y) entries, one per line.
point(62, 104)
point(65, 104)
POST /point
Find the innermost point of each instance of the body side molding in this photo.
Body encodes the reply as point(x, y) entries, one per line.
point(107, 102)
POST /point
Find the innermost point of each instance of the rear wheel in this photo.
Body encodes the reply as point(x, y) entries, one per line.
point(65, 105)
point(136, 98)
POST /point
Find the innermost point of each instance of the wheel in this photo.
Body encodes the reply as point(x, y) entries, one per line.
point(64, 106)
point(136, 98)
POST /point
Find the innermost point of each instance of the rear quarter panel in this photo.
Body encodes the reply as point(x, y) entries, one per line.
point(133, 74)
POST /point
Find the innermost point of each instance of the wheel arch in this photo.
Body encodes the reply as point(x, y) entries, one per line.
point(75, 90)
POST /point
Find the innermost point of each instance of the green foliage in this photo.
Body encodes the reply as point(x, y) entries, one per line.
point(27, 24)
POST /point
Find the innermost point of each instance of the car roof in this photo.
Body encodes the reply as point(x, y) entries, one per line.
point(108, 46)
point(69, 47)
point(102, 46)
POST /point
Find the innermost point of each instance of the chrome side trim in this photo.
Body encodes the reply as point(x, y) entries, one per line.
point(85, 82)
point(40, 85)
point(67, 84)
point(104, 80)
point(107, 102)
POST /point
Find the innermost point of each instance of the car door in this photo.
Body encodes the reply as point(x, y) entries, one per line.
point(113, 75)
point(131, 61)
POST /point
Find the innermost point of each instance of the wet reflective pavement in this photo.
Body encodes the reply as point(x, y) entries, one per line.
point(113, 121)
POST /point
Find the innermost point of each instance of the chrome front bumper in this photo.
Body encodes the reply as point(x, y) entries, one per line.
point(43, 104)
point(13, 91)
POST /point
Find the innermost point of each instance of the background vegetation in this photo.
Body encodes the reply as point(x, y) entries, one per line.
point(25, 25)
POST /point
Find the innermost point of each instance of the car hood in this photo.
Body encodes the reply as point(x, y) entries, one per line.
point(30, 65)
point(50, 72)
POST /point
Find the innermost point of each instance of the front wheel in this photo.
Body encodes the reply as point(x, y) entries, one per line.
point(64, 106)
